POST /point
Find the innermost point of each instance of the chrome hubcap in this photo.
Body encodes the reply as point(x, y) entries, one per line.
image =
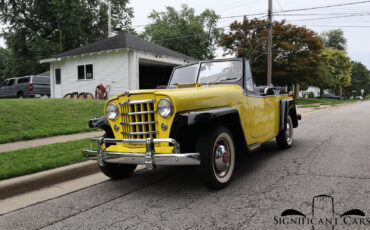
point(288, 132)
point(222, 158)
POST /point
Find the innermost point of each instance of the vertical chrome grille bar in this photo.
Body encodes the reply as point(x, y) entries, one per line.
point(143, 119)
point(149, 119)
point(131, 119)
point(137, 118)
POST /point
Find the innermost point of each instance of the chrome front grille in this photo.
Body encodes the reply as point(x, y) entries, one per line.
point(138, 119)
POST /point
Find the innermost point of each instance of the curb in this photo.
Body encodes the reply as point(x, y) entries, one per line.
point(23, 184)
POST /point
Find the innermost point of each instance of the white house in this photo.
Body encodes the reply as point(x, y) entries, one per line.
point(314, 90)
point(122, 62)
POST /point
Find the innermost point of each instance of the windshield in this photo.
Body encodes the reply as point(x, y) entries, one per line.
point(184, 75)
point(220, 71)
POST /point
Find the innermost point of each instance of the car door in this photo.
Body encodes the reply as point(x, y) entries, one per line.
point(261, 115)
point(3, 88)
point(9, 89)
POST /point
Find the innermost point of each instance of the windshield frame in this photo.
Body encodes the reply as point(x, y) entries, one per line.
point(238, 81)
point(182, 66)
point(222, 60)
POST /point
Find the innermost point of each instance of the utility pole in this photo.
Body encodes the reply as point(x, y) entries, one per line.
point(109, 19)
point(269, 44)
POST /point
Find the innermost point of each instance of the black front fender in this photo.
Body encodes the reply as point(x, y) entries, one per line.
point(287, 107)
point(187, 126)
point(203, 116)
point(102, 123)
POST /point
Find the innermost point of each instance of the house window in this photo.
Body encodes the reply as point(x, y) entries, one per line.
point(57, 77)
point(85, 72)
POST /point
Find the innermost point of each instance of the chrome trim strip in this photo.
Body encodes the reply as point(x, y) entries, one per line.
point(139, 113)
point(140, 133)
point(129, 102)
point(139, 123)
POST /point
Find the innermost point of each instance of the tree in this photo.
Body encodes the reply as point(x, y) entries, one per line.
point(36, 28)
point(295, 51)
point(4, 55)
point(327, 79)
point(183, 31)
point(360, 79)
point(337, 65)
point(334, 39)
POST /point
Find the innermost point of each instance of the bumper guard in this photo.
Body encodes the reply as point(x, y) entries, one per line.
point(149, 158)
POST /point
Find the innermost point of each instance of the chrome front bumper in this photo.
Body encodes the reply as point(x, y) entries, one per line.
point(149, 158)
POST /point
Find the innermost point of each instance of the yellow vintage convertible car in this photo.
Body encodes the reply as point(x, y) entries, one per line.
point(209, 112)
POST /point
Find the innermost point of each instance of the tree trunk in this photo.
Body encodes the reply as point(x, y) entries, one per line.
point(340, 92)
point(321, 93)
point(296, 90)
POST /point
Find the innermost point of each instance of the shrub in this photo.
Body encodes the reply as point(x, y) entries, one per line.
point(311, 95)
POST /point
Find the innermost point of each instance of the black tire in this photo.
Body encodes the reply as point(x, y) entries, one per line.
point(285, 138)
point(216, 173)
point(116, 171)
point(20, 95)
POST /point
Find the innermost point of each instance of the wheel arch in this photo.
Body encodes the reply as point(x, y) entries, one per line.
point(287, 107)
point(20, 91)
point(102, 123)
point(187, 126)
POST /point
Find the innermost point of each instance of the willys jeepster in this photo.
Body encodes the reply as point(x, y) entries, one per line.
point(209, 112)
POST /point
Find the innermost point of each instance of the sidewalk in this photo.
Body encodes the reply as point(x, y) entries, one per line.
point(48, 140)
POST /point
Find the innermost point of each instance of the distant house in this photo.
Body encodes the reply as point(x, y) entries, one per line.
point(314, 90)
point(122, 62)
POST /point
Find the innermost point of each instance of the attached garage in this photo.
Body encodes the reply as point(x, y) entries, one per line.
point(120, 63)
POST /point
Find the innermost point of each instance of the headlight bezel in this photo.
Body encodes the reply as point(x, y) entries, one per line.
point(114, 105)
point(171, 108)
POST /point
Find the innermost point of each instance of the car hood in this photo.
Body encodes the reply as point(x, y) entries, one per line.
point(198, 97)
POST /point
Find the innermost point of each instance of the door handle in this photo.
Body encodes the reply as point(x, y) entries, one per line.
point(268, 102)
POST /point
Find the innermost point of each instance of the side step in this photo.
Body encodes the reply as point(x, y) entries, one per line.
point(254, 147)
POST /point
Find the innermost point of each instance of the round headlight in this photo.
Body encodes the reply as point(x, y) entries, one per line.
point(111, 111)
point(165, 107)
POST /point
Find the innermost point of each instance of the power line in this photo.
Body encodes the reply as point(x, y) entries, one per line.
point(323, 7)
point(313, 14)
point(339, 26)
point(343, 16)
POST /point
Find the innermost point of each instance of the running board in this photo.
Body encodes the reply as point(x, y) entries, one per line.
point(254, 147)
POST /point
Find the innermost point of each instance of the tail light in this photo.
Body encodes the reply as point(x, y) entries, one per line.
point(30, 87)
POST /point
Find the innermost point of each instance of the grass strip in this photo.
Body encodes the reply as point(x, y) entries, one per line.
point(24, 119)
point(324, 101)
point(37, 159)
point(309, 106)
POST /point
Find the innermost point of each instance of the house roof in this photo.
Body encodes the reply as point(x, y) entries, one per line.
point(124, 40)
point(45, 74)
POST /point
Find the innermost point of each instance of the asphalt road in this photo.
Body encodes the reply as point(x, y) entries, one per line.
point(331, 156)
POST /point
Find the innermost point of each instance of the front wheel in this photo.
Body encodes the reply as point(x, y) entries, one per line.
point(116, 171)
point(217, 153)
point(20, 95)
point(285, 137)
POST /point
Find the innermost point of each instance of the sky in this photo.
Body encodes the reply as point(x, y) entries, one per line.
point(351, 18)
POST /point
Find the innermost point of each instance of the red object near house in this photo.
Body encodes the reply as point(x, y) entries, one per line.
point(101, 92)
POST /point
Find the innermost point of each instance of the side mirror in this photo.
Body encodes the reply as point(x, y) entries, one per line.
point(269, 91)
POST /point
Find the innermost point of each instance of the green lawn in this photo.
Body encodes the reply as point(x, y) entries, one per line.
point(324, 101)
point(37, 159)
point(310, 106)
point(22, 119)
